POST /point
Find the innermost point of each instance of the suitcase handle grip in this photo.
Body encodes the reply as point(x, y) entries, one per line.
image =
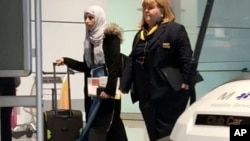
point(64, 114)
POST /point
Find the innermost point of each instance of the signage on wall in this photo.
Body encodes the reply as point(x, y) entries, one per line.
point(230, 95)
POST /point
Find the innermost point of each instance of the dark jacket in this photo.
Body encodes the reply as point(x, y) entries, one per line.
point(169, 60)
point(113, 62)
point(107, 124)
point(111, 49)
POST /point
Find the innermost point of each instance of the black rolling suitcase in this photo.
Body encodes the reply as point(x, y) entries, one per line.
point(61, 124)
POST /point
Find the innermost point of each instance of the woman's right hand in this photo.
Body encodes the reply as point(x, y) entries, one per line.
point(60, 61)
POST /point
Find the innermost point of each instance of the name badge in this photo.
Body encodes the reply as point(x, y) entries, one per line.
point(166, 45)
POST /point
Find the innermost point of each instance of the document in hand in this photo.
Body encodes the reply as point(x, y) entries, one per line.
point(97, 82)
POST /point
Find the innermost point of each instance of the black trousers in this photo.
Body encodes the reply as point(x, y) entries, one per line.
point(7, 87)
point(159, 114)
point(6, 132)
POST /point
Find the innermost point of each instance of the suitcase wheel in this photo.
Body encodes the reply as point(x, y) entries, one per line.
point(29, 131)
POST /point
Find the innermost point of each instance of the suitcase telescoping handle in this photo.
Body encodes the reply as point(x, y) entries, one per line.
point(54, 90)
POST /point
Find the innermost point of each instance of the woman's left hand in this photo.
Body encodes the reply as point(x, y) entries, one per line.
point(104, 95)
point(185, 86)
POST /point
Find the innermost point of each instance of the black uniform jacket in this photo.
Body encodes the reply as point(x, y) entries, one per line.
point(170, 56)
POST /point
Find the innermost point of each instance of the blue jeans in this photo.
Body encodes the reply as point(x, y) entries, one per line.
point(96, 71)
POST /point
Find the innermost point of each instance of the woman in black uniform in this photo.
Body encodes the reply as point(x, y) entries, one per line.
point(159, 68)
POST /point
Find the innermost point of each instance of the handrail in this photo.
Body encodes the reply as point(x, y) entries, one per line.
point(198, 48)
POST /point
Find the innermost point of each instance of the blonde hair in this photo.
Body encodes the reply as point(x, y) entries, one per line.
point(166, 10)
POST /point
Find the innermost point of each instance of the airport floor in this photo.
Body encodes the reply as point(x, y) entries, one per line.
point(135, 131)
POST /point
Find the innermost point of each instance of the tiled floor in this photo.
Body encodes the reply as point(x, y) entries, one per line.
point(135, 131)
